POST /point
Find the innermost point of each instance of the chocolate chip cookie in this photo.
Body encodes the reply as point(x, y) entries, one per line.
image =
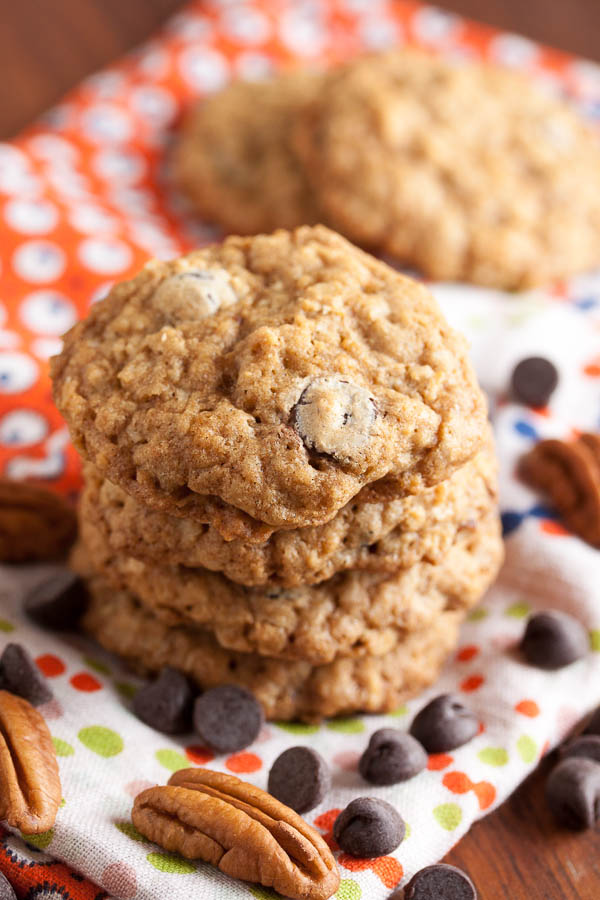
point(466, 171)
point(287, 689)
point(381, 535)
point(267, 380)
point(354, 613)
point(233, 159)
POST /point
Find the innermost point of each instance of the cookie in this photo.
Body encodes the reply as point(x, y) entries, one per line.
point(509, 197)
point(268, 380)
point(233, 158)
point(286, 689)
point(381, 535)
point(354, 613)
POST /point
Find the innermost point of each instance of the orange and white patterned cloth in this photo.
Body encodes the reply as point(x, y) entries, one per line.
point(84, 201)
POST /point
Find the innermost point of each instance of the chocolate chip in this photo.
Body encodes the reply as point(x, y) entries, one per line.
point(573, 792)
point(587, 745)
point(593, 726)
point(392, 756)
point(6, 891)
point(194, 294)
point(440, 882)
point(228, 718)
point(334, 417)
point(444, 724)
point(369, 827)
point(166, 703)
point(554, 639)
point(300, 778)
point(20, 675)
point(534, 380)
point(58, 602)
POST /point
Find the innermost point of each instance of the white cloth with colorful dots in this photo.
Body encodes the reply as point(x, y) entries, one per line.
point(84, 201)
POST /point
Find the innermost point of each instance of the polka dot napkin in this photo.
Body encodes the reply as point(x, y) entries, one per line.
point(84, 201)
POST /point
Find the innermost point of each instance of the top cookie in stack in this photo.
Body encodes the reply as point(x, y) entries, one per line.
point(465, 171)
point(263, 383)
point(290, 479)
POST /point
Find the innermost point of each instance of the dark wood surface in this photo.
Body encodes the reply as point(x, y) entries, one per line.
point(46, 46)
point(517, 852)
point(572, 25)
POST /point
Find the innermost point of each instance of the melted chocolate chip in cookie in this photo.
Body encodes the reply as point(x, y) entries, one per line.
point(194, 294)
point(335, 417)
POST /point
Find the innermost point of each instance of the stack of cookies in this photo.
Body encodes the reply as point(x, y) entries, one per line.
point(290, 481)
point(463, 170)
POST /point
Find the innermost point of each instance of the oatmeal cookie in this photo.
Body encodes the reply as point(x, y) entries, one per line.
point(381, 535)
point(466, 171)
point(286, 689)
point(233, 159)
point(351, 614)
point(277, 375)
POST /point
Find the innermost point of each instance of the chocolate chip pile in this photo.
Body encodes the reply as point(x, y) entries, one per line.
point(290, 481)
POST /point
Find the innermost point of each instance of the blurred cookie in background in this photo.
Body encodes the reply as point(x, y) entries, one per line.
point(468, 172)
point(234, 162)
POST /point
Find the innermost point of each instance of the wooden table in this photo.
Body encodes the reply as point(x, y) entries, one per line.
point(46, 46)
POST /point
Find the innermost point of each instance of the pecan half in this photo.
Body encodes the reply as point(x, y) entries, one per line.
point(30, 791)
point(35, 524)
point(241, 829)
point(570, 474)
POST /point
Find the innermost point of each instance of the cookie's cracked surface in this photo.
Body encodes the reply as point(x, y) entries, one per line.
point(193, 412)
